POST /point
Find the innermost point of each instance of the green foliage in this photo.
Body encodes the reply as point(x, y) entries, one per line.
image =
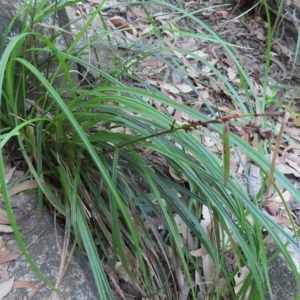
point(270, 98)
point(70, 143)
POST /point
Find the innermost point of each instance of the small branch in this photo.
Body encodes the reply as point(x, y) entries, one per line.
point(193, 125)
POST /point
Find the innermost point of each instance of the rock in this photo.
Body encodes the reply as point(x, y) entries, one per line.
point(282, 281)
point(41, 237)
point(100, 53)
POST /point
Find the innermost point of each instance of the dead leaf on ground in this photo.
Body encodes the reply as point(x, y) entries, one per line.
point(285, 169)
point(153, 63)
point(293, 93)
point(291, 131)
point(6, 287)
point(136, 11)
point(4, 276)
point(120, 23)
point(209, 271)
point(239, 278)
point(209, 142)
point(6, 228)
point(286, 196)
point(281, 220)
point(185, 232)
point(23, 186)
point(278, 219)
point(197, 54)
point(205, 218)
point(198, 252)
point(9, 174)
point(6, 256)
point(272, 208)
point(184, 88)
point(21, 284)
point(147, 29)
point(3, 217)
point(293, 164)
point(179, 274)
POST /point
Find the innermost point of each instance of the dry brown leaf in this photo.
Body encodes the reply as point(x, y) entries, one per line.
point(147, 29)
point(260, 20)
point(136, 11)
point(178, 272)
point(222, 13)
point(293, 93)
point(190, 3)
point(209, 141)
point(239, 279)
point(4, 276)
point(288, 148)
point(196, 53)
point(204, 93)
point(228, 60)
point(9, 173)
point(6, 228)
point(207, 70)
point(191, 72)
point(153, 63)
point(208, 271)
point(282, 50)
point(231, 74)
point(277, 219)
point(234, 166)
point(286, 196)
point(292, 131)
point(7, 255)
point(6, 287)
point(285, 169)
point(205, 217)
point(25, 284)
point(23, 186)
point(293, 165)
point(177, 116)
point(272, 208)
point(294, 157)
point(185, 88)
point(3, 217)
point(120, 23)
point(185, 232)
point(199, 252)
point(281, 220)
point(213, 51)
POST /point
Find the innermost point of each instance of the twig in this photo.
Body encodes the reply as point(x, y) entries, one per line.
point(187, 127)
point(275, 152)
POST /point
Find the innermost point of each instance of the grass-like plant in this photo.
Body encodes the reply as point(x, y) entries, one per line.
point(107, 151)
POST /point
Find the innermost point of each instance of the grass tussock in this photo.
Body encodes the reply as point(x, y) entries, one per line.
point(101, 153)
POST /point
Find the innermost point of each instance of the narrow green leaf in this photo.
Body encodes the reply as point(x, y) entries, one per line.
point(226, 153)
